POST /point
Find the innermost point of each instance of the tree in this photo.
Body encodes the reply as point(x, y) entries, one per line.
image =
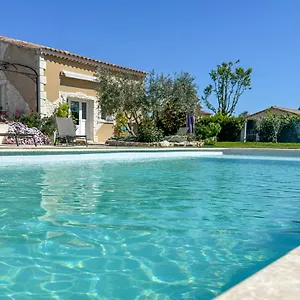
point(122, 93)
point(270, 126)
point(244, 114)
point(228, 86)
point(165, 99)
point(171, 98)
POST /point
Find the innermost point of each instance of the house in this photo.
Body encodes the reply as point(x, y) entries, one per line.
point(249, 133)
point(38, 78)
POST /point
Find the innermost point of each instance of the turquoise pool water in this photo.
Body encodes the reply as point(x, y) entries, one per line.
point(142, 226)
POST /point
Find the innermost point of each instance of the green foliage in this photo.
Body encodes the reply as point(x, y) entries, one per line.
point(148, 132)
point(166, 99)
point(121, 122)
point(170, 120)
point(170, 99)
point(290, 132)
point(31, 120)
point(122, 93)
point(244, 114)
point(48, 125)
point(228, 86)
point(257, 145)
point(210, 141)
point(207, 131)
point(63, 110)
point(273, 128)
point(230, 126)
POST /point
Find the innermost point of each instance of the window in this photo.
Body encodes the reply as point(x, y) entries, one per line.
point(75, 111)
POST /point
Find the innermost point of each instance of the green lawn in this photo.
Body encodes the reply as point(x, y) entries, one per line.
point(257, 145)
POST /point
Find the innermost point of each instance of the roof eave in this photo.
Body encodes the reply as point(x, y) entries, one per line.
point(90, 61)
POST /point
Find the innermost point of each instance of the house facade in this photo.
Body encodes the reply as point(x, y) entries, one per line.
point(249, 133)
point(38, 78)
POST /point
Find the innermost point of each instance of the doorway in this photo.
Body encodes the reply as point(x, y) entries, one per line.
point(79, 113)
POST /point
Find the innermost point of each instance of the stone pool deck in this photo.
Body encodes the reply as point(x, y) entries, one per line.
point(278, 281)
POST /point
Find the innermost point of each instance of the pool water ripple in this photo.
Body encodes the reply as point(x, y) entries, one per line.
point(185, 228)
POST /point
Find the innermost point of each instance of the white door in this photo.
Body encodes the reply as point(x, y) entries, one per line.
point(79, 113)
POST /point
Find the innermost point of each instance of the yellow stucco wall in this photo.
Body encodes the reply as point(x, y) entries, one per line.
point(105, 132)
point(57, 83)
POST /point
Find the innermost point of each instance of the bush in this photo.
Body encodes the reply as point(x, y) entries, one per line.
point(171, 120)
point(210, 141)
point(207, 131)
point(63, 110)
point(31, 120)
point(274, 128)
point(230, 126)
point(48, 125)
point(149, 133)
point(120, 129)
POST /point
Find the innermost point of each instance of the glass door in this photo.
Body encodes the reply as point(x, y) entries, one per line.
point(79, 113)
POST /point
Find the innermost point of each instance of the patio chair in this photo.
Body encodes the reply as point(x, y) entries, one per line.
point(66, 130)
point(19, 135)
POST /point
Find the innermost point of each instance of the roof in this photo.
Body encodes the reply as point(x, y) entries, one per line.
point(205, 113)
point(283, 109)
point(64, 52)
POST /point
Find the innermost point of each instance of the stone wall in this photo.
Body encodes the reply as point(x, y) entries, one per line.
point(163, 144)
point(19, 90)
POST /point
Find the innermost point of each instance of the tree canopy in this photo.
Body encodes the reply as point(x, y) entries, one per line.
point(165, 99)
point(229, 83)
point(122, 93)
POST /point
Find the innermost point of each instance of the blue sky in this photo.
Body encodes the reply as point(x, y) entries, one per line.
point(173, 35)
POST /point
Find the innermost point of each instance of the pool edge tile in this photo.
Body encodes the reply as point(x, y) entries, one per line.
point(279, 280)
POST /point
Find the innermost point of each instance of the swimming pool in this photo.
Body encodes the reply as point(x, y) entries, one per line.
point(142, 225)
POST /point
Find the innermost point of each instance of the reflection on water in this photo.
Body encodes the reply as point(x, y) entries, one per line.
point(63, 193)
point(161, 229)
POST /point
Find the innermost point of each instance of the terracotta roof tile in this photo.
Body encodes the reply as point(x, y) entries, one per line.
point(287, 110)
point(91, 60)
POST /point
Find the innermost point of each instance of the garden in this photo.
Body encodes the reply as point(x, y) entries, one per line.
point(42, 128)
point(167, 110)
point(155, 111)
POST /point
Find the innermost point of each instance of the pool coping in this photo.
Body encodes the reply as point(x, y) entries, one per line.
point(99, 149)
point(279, 280)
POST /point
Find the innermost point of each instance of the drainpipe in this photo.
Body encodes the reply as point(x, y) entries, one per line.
point(38, 54)
point(245, 132)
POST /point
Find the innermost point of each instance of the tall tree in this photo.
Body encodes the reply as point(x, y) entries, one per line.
point(229, 83)
point(171, 98)
point(122, 93)
point(166, 99)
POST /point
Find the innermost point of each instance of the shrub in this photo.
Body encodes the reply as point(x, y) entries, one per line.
point(207, 131)
point(230, 126)
point(210, 141)
point(121, 123)
point(274, 128)
point(63, 110)
point(290, 133)
point(148, 132)
point(48, 125)
point(171, 120)
point(31, 120)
